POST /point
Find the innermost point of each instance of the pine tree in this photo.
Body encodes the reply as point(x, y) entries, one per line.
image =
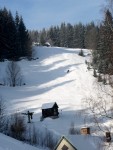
point(69, 35)
point(94, 73)
point(2, 37)
point(4, 33)
point(63, 40)
point(17, 20)
point(14, 38)
point(7, 34)
point(104, 50)
point(78, 36)
point(43, 37)
point(81, 53)
point(52, 35)
point(91, 36)
point(25, 43)
point(17, 39)
point(11, 35)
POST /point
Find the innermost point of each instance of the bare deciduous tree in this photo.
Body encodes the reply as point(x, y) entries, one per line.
point(17, 126)
point(13, 72)
point(100, 113)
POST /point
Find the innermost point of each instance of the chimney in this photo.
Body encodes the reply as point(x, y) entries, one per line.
point(85, 130)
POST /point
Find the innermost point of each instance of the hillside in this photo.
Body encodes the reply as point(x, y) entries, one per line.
point(46, 81)
point(8, 143)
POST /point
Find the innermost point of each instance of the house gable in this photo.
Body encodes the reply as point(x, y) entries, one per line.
point(64, 144)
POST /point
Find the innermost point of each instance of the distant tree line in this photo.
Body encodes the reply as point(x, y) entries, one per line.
point(14, 37)
point(98, 38)
point(67, 35)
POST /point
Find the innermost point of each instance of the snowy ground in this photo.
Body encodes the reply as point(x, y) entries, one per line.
point(8, 143)
point(46, 81)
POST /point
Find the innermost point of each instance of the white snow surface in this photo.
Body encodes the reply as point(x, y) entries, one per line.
point(47, 81)
point(8, 143)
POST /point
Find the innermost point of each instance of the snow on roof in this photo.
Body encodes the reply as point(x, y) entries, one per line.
point(47, 43)
point(48, 105)
point(83, 142)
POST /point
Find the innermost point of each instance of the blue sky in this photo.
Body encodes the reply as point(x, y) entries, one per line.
point(38, 14)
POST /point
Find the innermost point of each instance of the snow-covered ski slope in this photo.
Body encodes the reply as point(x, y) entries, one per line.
point(47, 80)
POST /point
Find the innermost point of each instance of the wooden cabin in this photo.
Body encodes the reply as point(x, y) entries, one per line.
point(50, 109)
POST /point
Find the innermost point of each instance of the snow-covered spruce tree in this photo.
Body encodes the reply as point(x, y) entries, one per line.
point(53, 36)
point(78, 36)
point(81, 53)
point(43, 37)
point(63, 39)
point(94, 73)
point(91, 36)
point(69, 35)
point(13, 73)
point(103, 57)
point(57, 36)
point(34, 35)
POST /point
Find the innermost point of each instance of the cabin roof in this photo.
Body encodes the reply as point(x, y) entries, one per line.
point(81, 142)
point(47, 43)
point(85, 142)
point(48, 105)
